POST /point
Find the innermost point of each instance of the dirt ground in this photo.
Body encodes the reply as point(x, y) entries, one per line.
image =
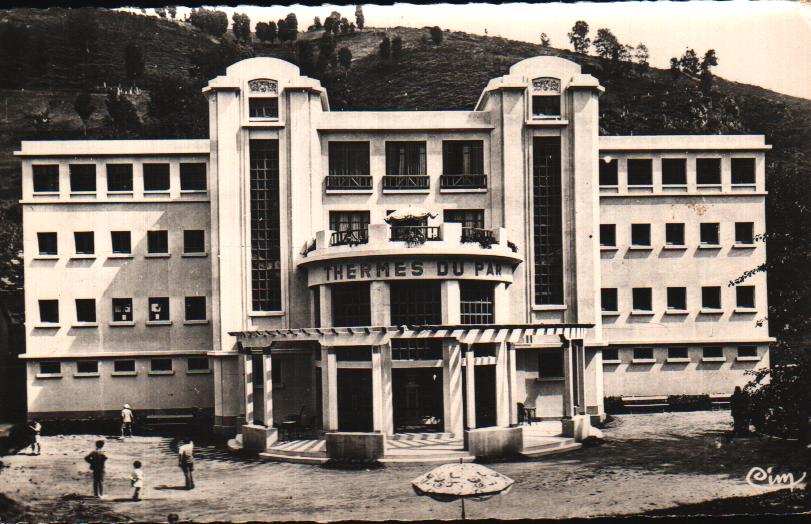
point(650, 463)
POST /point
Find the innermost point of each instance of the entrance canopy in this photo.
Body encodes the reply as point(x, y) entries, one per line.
point(250, 341)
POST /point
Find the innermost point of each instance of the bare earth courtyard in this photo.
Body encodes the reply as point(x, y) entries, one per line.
point(649, 462)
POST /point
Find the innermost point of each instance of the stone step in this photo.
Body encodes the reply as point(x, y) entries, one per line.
point(296, 453)
point(547, 444)
point(542, 451)
point(426, 459)
point(296, 459)
point(421, 436)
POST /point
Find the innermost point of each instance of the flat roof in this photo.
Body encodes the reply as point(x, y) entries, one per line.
point(358, 121)
point(113, 147)
point(683, 142)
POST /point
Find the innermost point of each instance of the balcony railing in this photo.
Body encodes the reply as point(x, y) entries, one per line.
point(349, 182)
point(396, 182)
point(349, 237)
point(415, 234)
point(484, 237)
point(463, 182)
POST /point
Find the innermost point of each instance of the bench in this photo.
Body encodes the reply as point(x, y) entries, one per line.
point(720, 400)
point(645, 402)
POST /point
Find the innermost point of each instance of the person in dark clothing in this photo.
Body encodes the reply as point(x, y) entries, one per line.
point(96, 459)
point(739, 406)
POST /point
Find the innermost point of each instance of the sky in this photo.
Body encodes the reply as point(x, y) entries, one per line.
point(761, 43)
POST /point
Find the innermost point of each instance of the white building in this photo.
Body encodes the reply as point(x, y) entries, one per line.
point(259, 273)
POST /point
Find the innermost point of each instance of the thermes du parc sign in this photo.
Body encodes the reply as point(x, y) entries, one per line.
point(393, 269)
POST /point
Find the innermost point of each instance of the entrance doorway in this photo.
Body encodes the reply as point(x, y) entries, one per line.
point(417, 399)
point(355, 400)
point(485, 388)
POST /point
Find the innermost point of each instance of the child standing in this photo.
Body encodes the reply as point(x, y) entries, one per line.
point(137, 479)
point(35, 428)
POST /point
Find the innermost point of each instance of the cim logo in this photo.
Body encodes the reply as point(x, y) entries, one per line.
point(764, 478)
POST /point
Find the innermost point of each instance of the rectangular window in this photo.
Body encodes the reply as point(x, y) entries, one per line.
point(550, 363)
point(674, 234)
point(546, 105)
point(743, 171)
point(263, 107)
point(193, 176)
point(462, 157)
point(674, 171)
point(708, 171)
point(121, 242)
point(416, 349)
point(85, 244)
point(677, 353)
point(87, 367)
point(710, 234)
point(640, 235)
point(611, 355)
point(49, 311)
point(608, 299)
point(156, 177)
point(405, 159)
point(85, 310)
point(82, 178)
point(158, 309)
point(160, 364)
point(476, 302)
point(677, 298)
point(47, 243)
point(747, 351)
point(711, 297)
point(642, 299)
point(119, 177)
point(46, 178)
point(640, 172)
point(351, 304)
point(276, 371)
point(745, 296)
point(266, 265)
point(157, 242)
point(198, 364)
point(50, 367)
point(349, 159)
point(643, 353)
point(122, 310)
point(470, 219)
point(123, 366)
point(608, 173)
point(713, 352)
point(194, 241)
point(744, 233)
point(196, 308)
point(416, 303)
point(350, 227)
point(547, 217)
point(608, 235)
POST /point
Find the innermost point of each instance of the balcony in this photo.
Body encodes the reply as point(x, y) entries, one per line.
point(349, 237)
point(484, 237)
point(415, 234)
point(462, 183)
point(344, 183)
point(406, 183)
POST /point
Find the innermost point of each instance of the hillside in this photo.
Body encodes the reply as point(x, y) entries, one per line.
point(426, 77)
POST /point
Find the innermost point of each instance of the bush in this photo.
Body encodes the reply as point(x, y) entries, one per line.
point(436, 35)
point(613, 405)
point(209, 21)
point(689, 402)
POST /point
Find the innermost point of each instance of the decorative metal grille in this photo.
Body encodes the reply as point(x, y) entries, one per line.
point(265, 86)
point(266, 279)
point(546, 85)
point(547, 221)
point(476, 302)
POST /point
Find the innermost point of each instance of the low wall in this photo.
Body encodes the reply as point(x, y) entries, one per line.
point(495, 442)
point(356, 446)
point(258, 438)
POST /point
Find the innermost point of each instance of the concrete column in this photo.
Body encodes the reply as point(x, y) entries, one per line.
point(568, 379)
point(381, 303)
point(325, 302)
point(580, 373)
point(451, 312)
point(512, 375)
point(502, 386)
point(501, 306)
point(452, 387)
point(387, 407)
point(248, 374)
point(470, 387)
point(377, 390)
point(267, 361)
point(329, 389)
point(594, 383)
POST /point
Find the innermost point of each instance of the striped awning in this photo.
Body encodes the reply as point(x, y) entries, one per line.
point(377, 335)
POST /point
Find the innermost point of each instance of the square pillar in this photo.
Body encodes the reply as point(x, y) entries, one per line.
point(580, 372)
point(329, 389)
point(452, 387)
point(325, 305)
point(380, 302)
point(377, 390)
point(502, 386)
point(501, 304)
point(450, 302)
point(247, 368)
point(387, 407)
point(470, 387)
point(568, 379)
point(512, 379)
point(268, 383)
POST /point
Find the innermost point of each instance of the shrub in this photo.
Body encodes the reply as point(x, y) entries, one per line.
point(436, 35)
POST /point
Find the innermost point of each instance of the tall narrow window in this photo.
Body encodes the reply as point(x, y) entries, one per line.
point(46, 178)
point(119, 178)
point(546, 98)
point(463, 164)
point(351, 304)
point(266, 279)
point(547, 221)
point(608, 173)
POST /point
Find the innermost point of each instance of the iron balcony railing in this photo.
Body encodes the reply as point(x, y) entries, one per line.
point(406, 182)
point(415, 234)
point(485, 237)
point(463, 182)
point(349, 237)
point(349, 182)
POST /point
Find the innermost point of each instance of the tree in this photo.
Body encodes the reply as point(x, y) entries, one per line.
point(161, 12)
point(352, 27)
point(133, 62)
point(290, 27)
point(344, 25)
point(241, 27)
point(209, 63)
point(83, 30)
point(304, 57)
point(209, 21)
point(606, 45)
point(177, 108)
point(122, 117)
point(345, 57)
point(385, 48)
point(326, 51)
point(579, 37)
point(396, 47)
point(436, 35)
point(675, 68)
point(266, 32)
point(689, 63)
point(172, 10)
point(333, 22)
point(317, 23)
point(545, 42)
point(281, 31)
point(642, 55)
point(83, 105)
point(710, 60)
point(360, 21)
